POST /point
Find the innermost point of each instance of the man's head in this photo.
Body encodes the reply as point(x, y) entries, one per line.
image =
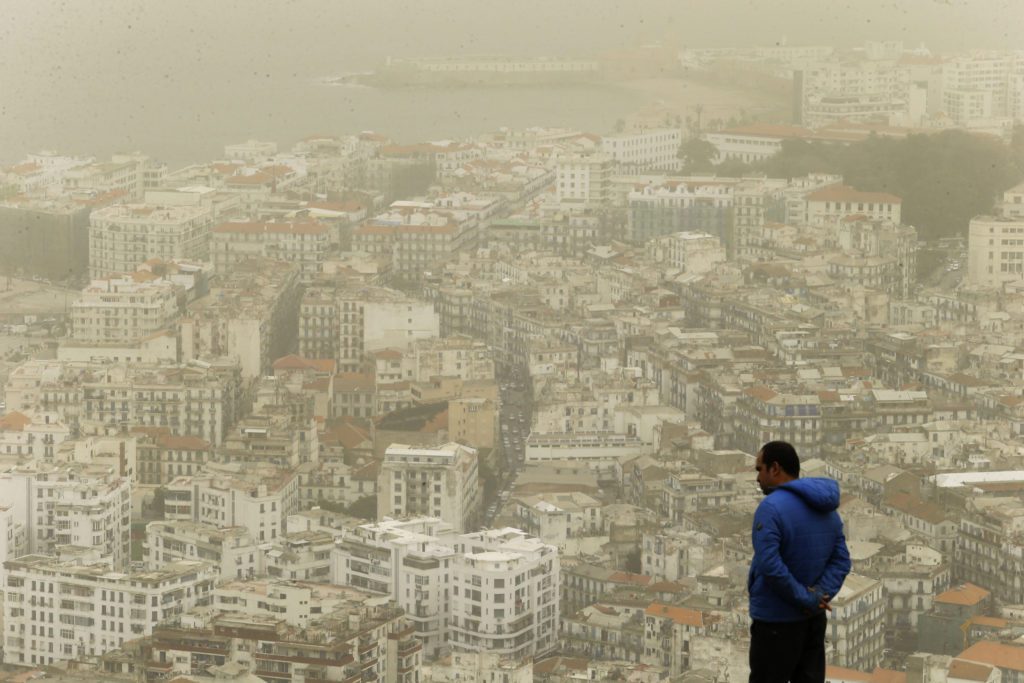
point(777, 463)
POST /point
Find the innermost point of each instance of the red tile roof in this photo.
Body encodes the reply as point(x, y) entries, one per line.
point(14, 422)
point(680, 615)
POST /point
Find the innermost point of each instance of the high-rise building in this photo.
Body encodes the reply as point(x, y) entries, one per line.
point(55, 612)
point(124, 235)
point(432, 482)
point(124, 309)
point(85, 506)
point(492, 591)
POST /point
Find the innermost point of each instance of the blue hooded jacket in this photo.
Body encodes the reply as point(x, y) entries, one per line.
point(799, 550)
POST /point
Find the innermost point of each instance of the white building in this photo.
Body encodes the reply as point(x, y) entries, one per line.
point(124, 309)
point(85, 506)
point(56, 612)
point(230, 549)
point(409, 560)
point(431, 482)
point(583, 178)
point(583, 446)
point(556, 518)
point(995, 244)
point(654, 148)
point(828, 205)
point(492, 591)
point(752, 143)
point(124, 235)
point(302, 242)
point(857, 623)
point(694, 253)
point(260, 499)
point(457, 356)
point(505, 594)
point(32, 435)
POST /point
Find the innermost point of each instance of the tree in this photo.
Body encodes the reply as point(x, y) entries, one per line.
point(364, 508)
point(697, 155)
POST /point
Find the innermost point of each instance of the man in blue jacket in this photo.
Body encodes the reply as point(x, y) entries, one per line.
point(800, 563)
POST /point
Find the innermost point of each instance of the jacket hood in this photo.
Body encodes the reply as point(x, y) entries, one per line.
point(818, 492)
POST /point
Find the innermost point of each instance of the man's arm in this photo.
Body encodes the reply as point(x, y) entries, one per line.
point(831, 579)
point(767, 538)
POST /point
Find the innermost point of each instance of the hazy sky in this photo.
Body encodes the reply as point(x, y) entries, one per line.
point(81, 68)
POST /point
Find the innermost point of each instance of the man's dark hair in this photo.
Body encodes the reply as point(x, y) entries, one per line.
point(783, 453)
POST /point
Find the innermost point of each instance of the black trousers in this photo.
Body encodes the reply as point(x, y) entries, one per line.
point(788, 652)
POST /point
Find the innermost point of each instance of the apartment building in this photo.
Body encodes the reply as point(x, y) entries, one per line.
point(455, 356)
point(667, 633)
point(419, 237)
point(831, 204)
point(249, 318)
point(995, 244)
point(32, 434)
point(124, 235)
point(694, 253)
point(289, 632)
point(409, 560)
point(686, 492)
point(345, 323)
point(857, 623)
point(56, 612)
point(260, 499)
point(199, 399)
point(125, 309)
point(505, 588)
point(584, 178)
point(432, 482)
point(86, 506)
point(764, 414)
point(648, 148)
point(555, 518)
point(161, 456)
point(304, 243)
point(682, 204)
point(230, 549)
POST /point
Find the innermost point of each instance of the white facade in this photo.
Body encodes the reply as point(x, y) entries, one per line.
point(58, 612)
point(505, 594)
point(749, 144)
point(995, 252)
point(461, 357)
point(124, 309)
point(693, 252)
point(829, 205)
point(857, 623)
point(305, 243)
point(259, 501)
point(431, 482)
point(409, 560)
point(583, 178)
point(230, 549)
point(655, 148)
point(122, 236)
point(82, 506)
point(583, 446)
point(492, 591)
point(32, 434)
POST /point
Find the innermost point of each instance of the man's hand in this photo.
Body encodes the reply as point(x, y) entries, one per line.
point(823, 601)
